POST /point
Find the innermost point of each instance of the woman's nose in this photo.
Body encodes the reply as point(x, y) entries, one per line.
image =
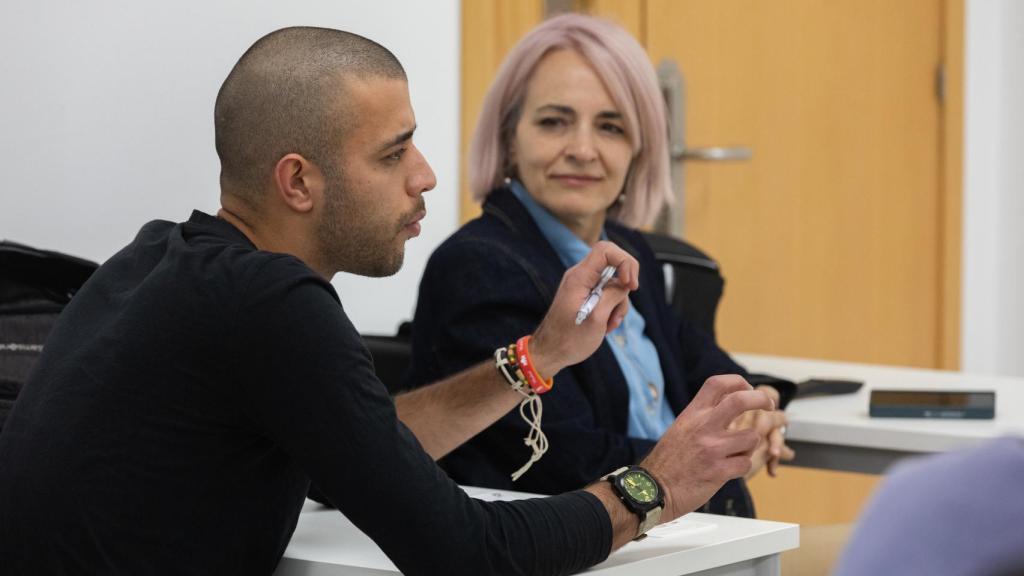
point(580, 147)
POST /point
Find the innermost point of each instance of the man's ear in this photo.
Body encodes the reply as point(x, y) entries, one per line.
point(298, 182)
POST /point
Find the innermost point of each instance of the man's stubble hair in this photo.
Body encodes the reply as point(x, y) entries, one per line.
point(347, 241)
point(285, 95)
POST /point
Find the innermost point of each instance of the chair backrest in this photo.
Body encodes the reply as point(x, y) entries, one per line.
point(693, 288)
point(35, 285)
point(693, 280)
point(391, 357)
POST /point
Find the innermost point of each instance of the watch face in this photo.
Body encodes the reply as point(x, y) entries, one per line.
point(639, 486)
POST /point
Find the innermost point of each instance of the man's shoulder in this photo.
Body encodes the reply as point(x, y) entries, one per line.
point(261, 277)
point(213, 256)
point(226, 249)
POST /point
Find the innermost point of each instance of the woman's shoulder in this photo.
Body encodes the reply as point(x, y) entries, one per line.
point(478, 238)
point(630, 239)
point(501, 232)
point(480, 255)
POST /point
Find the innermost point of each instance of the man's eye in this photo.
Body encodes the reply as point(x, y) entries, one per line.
point(396, 155)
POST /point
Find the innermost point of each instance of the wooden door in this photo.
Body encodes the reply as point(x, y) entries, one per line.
point(830, 237)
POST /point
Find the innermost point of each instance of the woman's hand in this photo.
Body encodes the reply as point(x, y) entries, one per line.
point(769, 426)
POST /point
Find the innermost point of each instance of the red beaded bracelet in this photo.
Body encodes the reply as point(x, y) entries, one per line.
point(523, 362)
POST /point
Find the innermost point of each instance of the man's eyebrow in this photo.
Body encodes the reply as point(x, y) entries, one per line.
point(401, 138)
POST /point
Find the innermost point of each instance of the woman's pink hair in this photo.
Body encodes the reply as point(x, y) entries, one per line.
point(623, 66)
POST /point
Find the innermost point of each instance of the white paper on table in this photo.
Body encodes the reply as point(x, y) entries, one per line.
point(681, 526)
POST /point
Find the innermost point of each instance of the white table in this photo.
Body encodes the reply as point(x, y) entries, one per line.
point(326, 543)
point(837, 433)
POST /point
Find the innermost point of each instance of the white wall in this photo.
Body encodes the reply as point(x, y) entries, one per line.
point(992, 336)
point(106, 118)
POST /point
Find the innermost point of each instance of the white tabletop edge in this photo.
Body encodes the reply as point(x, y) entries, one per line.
point(844, 421)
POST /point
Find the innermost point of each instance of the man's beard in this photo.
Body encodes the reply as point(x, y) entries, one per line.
point(352, 242)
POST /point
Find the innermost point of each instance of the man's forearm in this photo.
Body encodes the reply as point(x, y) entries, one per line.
point(624, 523)
point(446, 414)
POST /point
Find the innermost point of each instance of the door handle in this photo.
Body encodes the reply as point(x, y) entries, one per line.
point(673, 89)
point(714, 154)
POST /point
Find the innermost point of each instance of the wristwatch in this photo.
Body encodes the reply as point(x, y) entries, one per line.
point(641, 493)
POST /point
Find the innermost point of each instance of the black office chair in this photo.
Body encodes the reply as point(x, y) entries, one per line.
point(693, 280)
point(694, 287)
point(391, 356)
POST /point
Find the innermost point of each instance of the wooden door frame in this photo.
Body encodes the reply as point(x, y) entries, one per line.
point(490, 28)
point(951, 182)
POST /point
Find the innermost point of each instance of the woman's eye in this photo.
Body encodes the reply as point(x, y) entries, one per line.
point(613, 129)
point(553, 122)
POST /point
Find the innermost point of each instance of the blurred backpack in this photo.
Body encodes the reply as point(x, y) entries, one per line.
point(35, 285)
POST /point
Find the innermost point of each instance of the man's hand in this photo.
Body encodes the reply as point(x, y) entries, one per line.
point(702, 450)
point(769, 425)
point(558, 341)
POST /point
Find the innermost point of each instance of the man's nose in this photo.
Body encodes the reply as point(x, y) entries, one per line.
point(423, 178)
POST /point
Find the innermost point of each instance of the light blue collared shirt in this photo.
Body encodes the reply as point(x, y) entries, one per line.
point(649, 412)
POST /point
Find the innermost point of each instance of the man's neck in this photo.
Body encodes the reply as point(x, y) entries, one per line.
point(266, 237)
point(243, 226)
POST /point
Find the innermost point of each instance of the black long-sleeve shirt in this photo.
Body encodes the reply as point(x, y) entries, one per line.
point(183, 402)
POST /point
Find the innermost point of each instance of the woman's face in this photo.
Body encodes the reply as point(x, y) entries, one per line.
point(570, 148)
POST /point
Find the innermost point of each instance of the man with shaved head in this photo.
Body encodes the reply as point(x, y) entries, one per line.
point(279, 100)
point(207, 371)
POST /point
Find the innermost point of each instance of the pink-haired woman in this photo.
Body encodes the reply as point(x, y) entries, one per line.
point(570, 149)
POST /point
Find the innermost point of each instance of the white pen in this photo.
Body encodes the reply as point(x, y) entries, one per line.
point(595, 295)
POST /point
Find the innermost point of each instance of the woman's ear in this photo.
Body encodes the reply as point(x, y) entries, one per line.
point(509, 170)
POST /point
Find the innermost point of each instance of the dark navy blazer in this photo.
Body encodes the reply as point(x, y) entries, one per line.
point(492, 282)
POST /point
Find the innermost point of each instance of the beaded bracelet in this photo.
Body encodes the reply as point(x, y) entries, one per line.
point(507, 362)
point(504, 362)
